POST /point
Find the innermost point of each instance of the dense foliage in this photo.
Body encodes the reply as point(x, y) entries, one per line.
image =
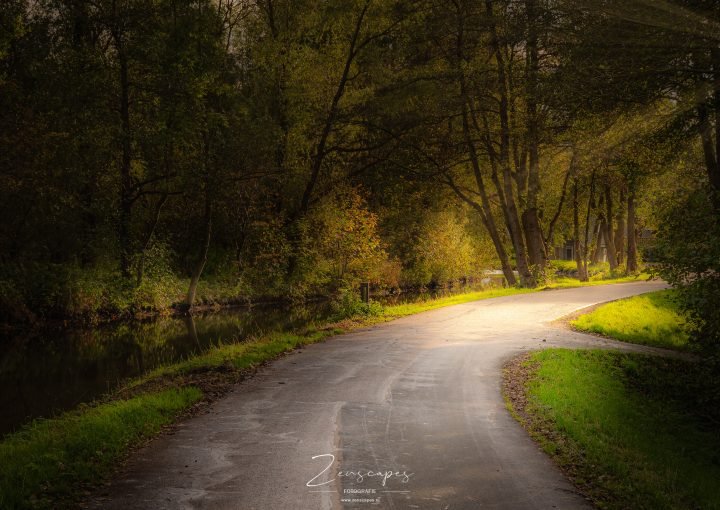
point(691, 255)
point(205, 151)
point(153, 152)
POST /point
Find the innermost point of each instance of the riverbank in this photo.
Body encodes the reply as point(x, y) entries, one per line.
point(102, 297)
point(42, 295)
point(43, 467)
point(59, 294)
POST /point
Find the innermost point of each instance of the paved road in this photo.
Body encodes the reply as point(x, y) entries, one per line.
point(410, 409)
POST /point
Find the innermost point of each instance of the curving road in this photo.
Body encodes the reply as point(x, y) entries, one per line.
point(406, 415)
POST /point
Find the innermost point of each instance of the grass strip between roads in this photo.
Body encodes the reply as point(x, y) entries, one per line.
point(651, 319)
point(53, 463)
point(631, 431)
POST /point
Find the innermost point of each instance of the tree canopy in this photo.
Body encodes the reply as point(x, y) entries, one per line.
point(157, 152)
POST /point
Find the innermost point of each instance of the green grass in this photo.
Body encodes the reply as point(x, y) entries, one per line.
point(43, 465)
point(650, 319)
point(630, 430)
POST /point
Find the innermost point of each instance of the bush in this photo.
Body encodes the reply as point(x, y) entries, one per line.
point(563, 266)
point(350, 305)
point(598, 271)
point(444, 251)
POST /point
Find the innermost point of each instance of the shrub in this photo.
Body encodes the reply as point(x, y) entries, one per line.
point(349, 304)
point(563, 266)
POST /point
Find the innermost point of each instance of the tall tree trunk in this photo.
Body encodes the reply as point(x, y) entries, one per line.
point(484, 208)
point(512, 216)
point(620, 231)
point(609, 235)
point(589, 224)
point(537, 254)
point(537, 251)
point(632, 264)
point(597, 248)
point(512, 222)
point(577, 251)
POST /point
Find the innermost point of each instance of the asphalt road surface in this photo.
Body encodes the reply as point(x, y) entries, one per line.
point(405, 415)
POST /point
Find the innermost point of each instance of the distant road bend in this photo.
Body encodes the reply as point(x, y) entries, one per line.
point(405, 415)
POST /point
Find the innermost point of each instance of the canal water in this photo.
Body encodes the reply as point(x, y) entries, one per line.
point(45, 371)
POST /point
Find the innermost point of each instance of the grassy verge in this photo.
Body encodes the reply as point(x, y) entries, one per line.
point(43, 465)
point(630, 431)
point(650, 319)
